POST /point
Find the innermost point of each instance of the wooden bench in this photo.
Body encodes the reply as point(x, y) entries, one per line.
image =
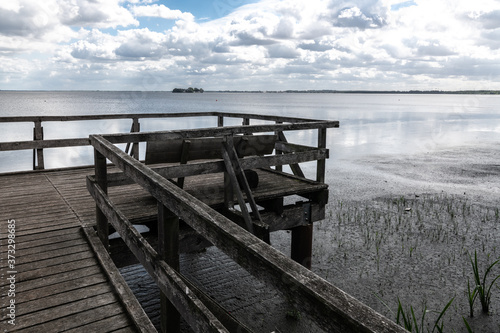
point(183, 150)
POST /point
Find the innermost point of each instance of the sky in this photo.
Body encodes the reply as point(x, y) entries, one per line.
point(148, 45)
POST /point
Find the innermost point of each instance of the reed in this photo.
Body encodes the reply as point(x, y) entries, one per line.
point(471, 298)
point(409, 321)
point(483, 289)
point(469, 329)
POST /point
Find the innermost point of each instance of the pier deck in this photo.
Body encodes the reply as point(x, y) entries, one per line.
point(60, 283)
point(194, 184)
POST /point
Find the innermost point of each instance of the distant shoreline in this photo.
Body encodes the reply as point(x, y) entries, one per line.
point(409, 92)
point(388, 92)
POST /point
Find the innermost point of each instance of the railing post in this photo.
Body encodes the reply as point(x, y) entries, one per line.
point(38, 163)
point(321, 167)
point(168, 249)
point(101, 180)
point(279, 152)
point(136, 127)
point(220, 121)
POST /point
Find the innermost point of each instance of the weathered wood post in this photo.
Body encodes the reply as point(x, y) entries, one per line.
point(38, 162)
point(136, 127)
point(279, 152)
point(321, 167)
point(168, 249)
point(101, 178)
point(220, 121)
point(302, 236)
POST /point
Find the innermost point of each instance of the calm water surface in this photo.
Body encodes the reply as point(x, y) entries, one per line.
point(369, 123)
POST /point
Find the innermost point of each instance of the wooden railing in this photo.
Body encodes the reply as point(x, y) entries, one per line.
point(331, 308)
point(39, 143)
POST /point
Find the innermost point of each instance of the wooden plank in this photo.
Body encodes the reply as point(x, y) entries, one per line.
point(44, 229)
point(127, 298)
point(58, 259)
point(124, 330)
point(85, 270)
point(54, 270)
point(51, 314)
point(110, 324)
point(87, 315)
point(42, 238)
point(49, 244)
point(330, 307)
point(41, 144)
point(35, 260)
point(64, 294)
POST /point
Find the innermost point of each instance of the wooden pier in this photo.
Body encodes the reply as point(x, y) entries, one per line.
point(222, 186)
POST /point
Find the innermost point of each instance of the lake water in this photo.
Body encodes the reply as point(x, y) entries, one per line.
point(370, 124)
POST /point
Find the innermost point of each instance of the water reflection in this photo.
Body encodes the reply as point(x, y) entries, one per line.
point(370, 124)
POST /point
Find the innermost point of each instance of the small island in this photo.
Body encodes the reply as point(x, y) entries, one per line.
point(188, 90)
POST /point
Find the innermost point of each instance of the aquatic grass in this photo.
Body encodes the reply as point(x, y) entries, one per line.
point(469, 329)
point(483, 289)
point(471, 298)
point(409, 321)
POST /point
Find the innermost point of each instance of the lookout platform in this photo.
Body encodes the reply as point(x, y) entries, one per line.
point(222, 186)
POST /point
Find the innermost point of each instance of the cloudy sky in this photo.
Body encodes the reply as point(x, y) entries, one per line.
point(249, 45)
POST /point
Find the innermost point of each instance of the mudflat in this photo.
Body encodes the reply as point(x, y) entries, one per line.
point(403, 229)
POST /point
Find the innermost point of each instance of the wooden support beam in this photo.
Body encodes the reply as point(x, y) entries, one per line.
point(184, 159)
point(220, 121)
point(233, 179)
point(168, 249)
point(297, 171)
point(301, 249)
point(101, 179)
point(260, 229)
point(321, 164)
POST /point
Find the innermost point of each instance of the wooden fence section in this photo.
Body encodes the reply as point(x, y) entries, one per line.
point(39, 143)
point(331, 308)
point(59, 283)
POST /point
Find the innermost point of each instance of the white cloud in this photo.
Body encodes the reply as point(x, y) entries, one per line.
point(380, 44)
point(161, 11)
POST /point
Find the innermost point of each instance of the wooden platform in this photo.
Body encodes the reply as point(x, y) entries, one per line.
point(60, 283)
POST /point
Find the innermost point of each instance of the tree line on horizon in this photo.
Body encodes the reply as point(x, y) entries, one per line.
point(188, 90)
